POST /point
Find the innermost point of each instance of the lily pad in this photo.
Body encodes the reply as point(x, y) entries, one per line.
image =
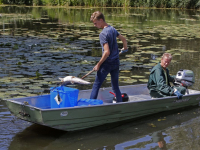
point(137, 76)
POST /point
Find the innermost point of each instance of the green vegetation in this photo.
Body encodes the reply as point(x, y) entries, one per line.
point(194, 4)
point(40, 44)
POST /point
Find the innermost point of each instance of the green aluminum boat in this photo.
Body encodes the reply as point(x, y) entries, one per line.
point(38, 109)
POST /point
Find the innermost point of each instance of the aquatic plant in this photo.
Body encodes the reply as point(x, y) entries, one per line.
point(56, 42)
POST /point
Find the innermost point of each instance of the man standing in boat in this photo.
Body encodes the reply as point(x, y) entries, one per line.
point(159, 79)
point(109, 62)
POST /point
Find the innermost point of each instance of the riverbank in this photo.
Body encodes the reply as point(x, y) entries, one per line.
point(188, 4)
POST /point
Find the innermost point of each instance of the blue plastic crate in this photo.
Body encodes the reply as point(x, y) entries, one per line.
point(63, 97)
point(87, 102)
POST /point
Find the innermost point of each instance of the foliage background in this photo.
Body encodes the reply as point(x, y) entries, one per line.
point(189, 4)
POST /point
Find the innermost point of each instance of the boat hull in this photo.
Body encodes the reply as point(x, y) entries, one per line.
point(82, 117)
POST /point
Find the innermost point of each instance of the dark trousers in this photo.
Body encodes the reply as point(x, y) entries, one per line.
point(105, 69)
point(158, 94)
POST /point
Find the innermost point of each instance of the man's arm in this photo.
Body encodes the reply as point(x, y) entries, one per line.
point(123, 39)
point(105, 55)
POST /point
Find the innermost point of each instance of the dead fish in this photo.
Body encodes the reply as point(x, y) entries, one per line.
point(73, 80)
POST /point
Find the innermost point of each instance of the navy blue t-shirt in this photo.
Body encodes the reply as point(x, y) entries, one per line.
point(109, 35)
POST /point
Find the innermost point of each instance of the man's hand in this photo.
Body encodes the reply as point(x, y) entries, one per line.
point(96, 68)
point(123, 51)
point(178, 94)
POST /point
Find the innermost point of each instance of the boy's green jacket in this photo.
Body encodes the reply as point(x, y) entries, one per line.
point(157, 81)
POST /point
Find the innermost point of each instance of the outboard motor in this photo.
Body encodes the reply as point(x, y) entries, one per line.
point(185, 78)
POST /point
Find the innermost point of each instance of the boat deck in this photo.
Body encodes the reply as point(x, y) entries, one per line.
point(139, 97)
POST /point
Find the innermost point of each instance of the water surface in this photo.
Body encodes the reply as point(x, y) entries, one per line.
point(40, 44)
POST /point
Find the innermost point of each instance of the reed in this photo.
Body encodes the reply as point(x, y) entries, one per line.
point(194, 4)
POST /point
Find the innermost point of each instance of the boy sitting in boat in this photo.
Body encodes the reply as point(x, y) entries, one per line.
point(159, 80)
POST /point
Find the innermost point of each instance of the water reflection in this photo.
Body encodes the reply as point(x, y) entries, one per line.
point(158, 138)
point(153, 56)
